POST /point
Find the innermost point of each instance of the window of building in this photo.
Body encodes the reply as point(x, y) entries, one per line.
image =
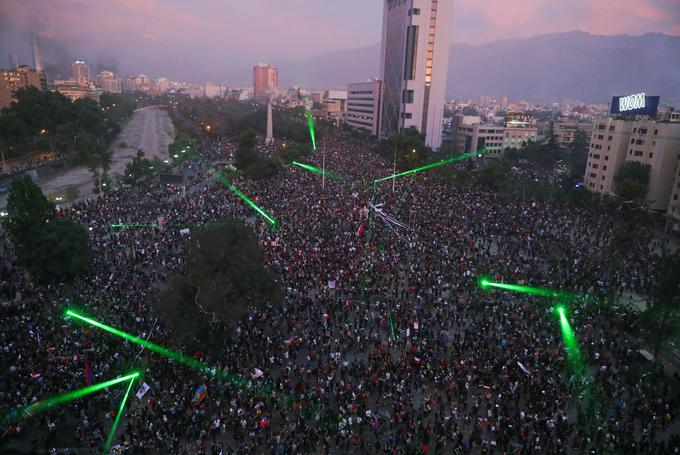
point(632, 141)
point(600, 136)
point(606, 157)
point(601, 127)
point(604, 168)
point(601, 187)
point(595, 166)
point(593, 175)
point(638, 153)
point(675, 198)
point(406, 115)
point(603, 177)
point(597, 157)
point(651, 155)
point(415, 11)
point(611, 128)
point(642, 131)
point(411, 52)
point(656, 132)
point(609, 147)
point(408, 96)
point(634, 130)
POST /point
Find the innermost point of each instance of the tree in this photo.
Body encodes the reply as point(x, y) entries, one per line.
point(262, 167)
point(223, 279)
point(577, 158)
point(493, 175)
point(409, 147)
point(245, 151)
point(28, 210)
point(661, 319)
point(60, 250)
point(140, 168)
point(632, 180)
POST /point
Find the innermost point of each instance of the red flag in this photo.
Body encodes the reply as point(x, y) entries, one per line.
point(360, 231)
point(264, 422)
point(89, 373)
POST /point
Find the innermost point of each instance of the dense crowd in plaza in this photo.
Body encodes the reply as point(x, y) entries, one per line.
point(384, 343)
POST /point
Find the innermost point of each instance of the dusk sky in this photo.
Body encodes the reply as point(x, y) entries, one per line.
point(195, 39)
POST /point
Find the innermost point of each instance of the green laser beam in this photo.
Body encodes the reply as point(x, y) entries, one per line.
point(486, 284)
point(122, 226)
point(112, 432)
point(432, 165)
point(235, 190)
point(570, 342)
point(188, 361)
point(316, 170)
point(310, 125)
point(48, 403)
point(233, 379)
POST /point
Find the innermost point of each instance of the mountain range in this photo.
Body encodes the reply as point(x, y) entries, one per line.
point(545, 68)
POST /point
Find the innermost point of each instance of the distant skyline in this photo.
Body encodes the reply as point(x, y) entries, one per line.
point(200, 40)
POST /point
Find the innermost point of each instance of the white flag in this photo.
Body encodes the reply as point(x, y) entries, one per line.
point(142, 390)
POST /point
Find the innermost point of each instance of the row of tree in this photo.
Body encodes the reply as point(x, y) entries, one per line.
point(49, 122)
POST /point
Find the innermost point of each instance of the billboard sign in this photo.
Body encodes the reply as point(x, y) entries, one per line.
point(518, 119)
point(636, 104)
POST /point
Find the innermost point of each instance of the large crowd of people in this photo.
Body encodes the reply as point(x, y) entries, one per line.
point(384, 344)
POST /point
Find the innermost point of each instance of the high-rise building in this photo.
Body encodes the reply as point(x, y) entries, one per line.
point(163, 84)
point(335, 105)
point(414, 66)
point(265, 78)
point(142, 83)
point(651, 142)
point(516, 137)
point(363, 106)
point(214, 90)
point(75, 91)
point(15, 79)
point(128, 85)
point(108, 82)
point(478, 136)
point(565, 132)
point(13, 61)
point(484, 101)
point(674, 201)
point(81, 72)
point(503, 102)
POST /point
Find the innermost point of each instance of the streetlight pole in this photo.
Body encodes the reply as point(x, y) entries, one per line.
point(394, 169)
